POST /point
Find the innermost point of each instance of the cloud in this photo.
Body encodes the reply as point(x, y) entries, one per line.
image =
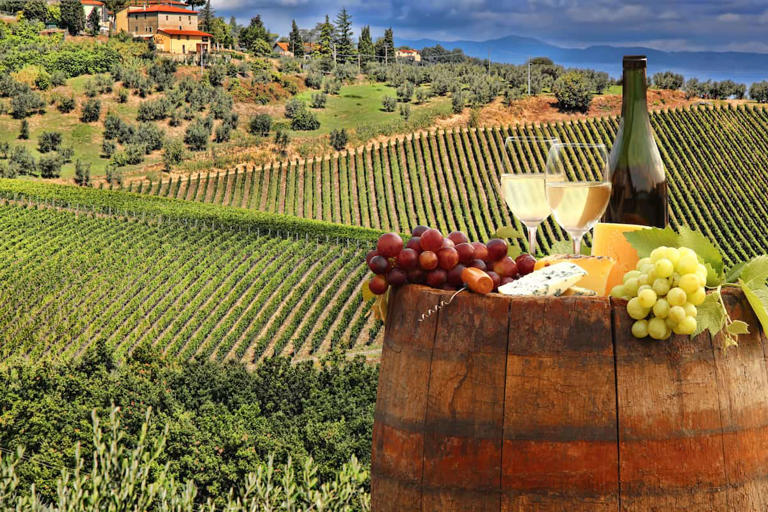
point(729, 17)
point(607, 14)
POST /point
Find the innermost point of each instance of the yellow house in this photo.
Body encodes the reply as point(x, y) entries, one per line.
point(173, 28)
point(183, 41)
point(121, 17)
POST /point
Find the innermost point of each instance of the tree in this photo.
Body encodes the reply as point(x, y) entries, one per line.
point(325, 43)
point(206, 17)
point(759, 92)
point(296, 42)
point(94, 21)
point(49, 141)
point(72, 16)
point(573, 91)
point(281, 141)
point(24, 130)
point(82, 173)
point(194, 3)
point(173, 153)
point(344, 46)
point(36, 10)
point(91, 111)
point(114, 6)
point(338, 139)
point(253, 32)
point(234, 30)
point(365, 45)
point(668, 80)
point(385, 47)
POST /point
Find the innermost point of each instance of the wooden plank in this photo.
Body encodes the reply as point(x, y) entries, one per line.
point(669, 422)
point(465, 406)
point(560, 448)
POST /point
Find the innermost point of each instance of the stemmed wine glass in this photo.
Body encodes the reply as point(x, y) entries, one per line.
point(525, 191)
point(577, 187)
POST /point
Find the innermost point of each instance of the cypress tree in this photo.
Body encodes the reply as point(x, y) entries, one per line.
point(296, 43)
point(206, 17)
point(344, 46)
point(326, 39)
point(365, 46)
point(72, 16)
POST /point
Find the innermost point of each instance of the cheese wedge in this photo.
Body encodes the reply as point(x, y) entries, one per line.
point(552, 280)
point(609, 240)
point(598, 269)
point(576, 291)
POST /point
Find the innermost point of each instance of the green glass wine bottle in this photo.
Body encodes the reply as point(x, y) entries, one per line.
point(636, 171)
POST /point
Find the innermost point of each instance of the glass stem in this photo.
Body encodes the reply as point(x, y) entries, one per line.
point(577, 243)
point(532, 240)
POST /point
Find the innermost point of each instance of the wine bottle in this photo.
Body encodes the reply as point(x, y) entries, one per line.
point(639, 183)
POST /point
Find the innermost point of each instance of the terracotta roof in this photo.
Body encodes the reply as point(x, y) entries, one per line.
point(283, 46)
point(407, 51)
point(176, 32)
point(163, 8)
point(91, 2)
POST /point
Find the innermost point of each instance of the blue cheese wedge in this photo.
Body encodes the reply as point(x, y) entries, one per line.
point(579, 291)
point(553, 280)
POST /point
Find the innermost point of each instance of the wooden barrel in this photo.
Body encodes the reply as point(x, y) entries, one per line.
point(549, 404)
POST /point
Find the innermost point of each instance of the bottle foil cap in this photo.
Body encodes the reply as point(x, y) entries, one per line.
point(635, 62)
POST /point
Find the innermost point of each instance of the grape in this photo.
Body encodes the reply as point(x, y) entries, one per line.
point(686, 326)
point(689, 283)
point(416, 276)
point(630, 286)
point(481, 251)
point(431, 240)
point(687, 264)
point(418, 230)
point(672, 254)
point(466, 252)
point(690, 310)
point(370, 255)
point(642, 262)
point(640, 329)
point(447, 244)
point(646, 269)
point(661, 308)
point(437, 277)
point(454, 275)
point(697, 297)
point(396, 277)
point(643, 279)
point(496, 278)
point(457, 237)
point(618, 291)
point(447, 258)
point(647, 298)
point(428, 260)
point(660, 286)
point(663, 268)
point(643, 287)
point(379, 264)
point(658, 254)
point(497, 249)
point(670, 324)
point(685, 251)
point(505, 267)
point(414, 243)
point(478, 264)
point(677, 297)
point(675, 279)
point(378, 285)
point(657, 329)
point(525, 264)
point(676, 314)
point(389, 245)
point(632, 274)
point(702, 272)
point(636, 310)
point(506, 280)
point(408, 259)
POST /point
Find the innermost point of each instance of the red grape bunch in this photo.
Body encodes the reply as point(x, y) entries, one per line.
point(434, 260)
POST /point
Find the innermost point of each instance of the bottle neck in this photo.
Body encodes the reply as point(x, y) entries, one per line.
point(634, 99)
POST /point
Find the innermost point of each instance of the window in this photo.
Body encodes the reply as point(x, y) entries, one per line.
point(189, 19)
point(166, 17)
point(179, 27)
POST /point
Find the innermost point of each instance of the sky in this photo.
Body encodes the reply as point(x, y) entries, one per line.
point(669, 25)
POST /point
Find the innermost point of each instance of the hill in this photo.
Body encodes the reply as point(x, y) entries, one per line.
point(716, 159)
point(739, 66)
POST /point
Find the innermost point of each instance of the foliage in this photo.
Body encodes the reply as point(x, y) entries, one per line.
point(668, 80)
point(35, 10)
point(25, 104)
point(108, 148)
point(82, 173)
point(150, 136)
point(573, 91)
point(318, 100)
point(91, 111)
point(293, 107)
point(21, 162)
point(93, 22)
point(24, 130)
point(305, 120)
point(197, 135)
point(223, 133)
point(331, 86)
point(122, 95)
point(457, 101)
point(295, 41)
point(365, 46)
point(281, 141)
point(216, 75)
point(72, 16)
point(260, 48)
point(66, 104)
point(388, 104)
point(344, 48)
point(153, 110)
point(405, 111)
point(314, 80)
point(49, 141)
point(759, 92)
point(162, 72)
point(260, 124)
point(173, 153)
point(714, 90)
point(49, 165)
point(338, 139)
point(405, 92)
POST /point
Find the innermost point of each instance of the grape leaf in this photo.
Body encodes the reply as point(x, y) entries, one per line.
point(514, 250)
point(710, 315)
point(566, 247)
point(646, 240)
point(381, 306)
point(703, 247)
point(758, 299)
point(366, 291)
point(735, 272)
point(508, 232)
point(755, 272)
point(737, 327)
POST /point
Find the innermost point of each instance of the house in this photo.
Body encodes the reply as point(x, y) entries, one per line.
point(104, 17)
point(121, 18)
point(281, 48)
point(407, 53)
point(173, 28)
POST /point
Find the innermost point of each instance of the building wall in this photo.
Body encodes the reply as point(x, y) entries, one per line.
point(121, 21)
point(179, 44)
point(143, 23)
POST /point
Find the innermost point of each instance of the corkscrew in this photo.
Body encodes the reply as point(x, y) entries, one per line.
point(443, 303)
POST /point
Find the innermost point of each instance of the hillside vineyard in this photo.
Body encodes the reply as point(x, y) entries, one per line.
point(77, 279)
point(716, 160)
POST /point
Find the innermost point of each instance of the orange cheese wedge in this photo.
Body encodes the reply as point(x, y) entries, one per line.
point(609, 240)
point(598, 268)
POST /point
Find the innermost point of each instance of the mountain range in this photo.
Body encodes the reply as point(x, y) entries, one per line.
point(741, 67)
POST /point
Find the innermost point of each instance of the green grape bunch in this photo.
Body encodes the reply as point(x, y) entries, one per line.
point(663, 292)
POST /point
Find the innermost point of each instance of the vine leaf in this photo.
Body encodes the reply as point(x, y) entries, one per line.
point(710, 315)
point(566, 247)
point(508, 232)
point(755, 272)
point(758, 299)
point(737, 327)
point(366, 291)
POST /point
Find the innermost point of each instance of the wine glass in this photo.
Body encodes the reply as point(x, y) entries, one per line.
point(525, 191)
point(577, 187)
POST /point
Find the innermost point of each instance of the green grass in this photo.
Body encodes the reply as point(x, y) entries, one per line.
point(613, 89)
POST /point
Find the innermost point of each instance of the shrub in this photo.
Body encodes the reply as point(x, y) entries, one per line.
point(305, 121)
point(759, 92)
point(281, 141)
point(25, 104)
point(162, 73)
point(260, 125)
point(338, 139)
point(405, 111)
point(49, 141)
point(318, 100)
point(50, 166)
point(113, 174)
point(668, 80)
point(90, 88)
point(331, 86)
point(66, 104)
point(405, 92)
point(66, 153)
point(91, 111)
point(43, 81)
point(58, 78)
point(153, 110)
point(293, 107)
point(222, 104)
point(223, 133)
point(175, 118)
point(5, 149)
point(104, 83)
point(231, 119)
point(10, 87)
point(197, 136)
point(82, 173)
point(6, 171)
point(24, 130)
point(150, 136)
point(173, 153)
point(421, 95)
point(21, 161)
point(133, 154)
point(457, 101)
point(216, 75)
point(122, 95)
point(108, 148)
point(314, 80)
point(573, 92)
point(388, 104)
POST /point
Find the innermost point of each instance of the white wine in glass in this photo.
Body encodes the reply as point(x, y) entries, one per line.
point(577, 188)
point(526, 193)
